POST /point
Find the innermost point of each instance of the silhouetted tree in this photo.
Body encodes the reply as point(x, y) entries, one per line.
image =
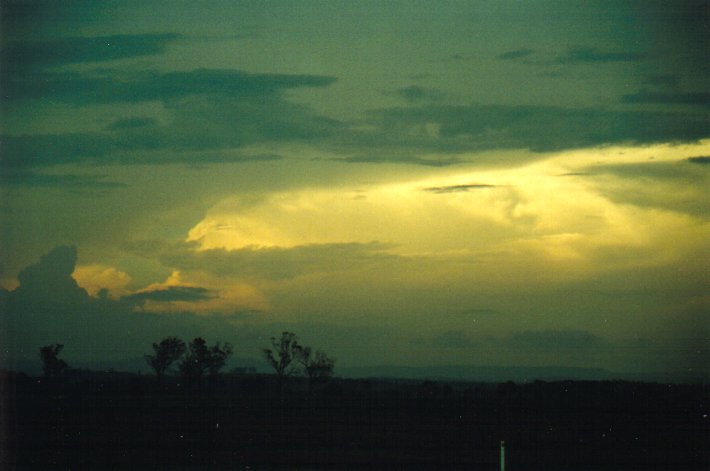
point(318, 367)
point(167, 352)
point(201, 359)
point(217, 357)
point(52, 365)
point(285, 352)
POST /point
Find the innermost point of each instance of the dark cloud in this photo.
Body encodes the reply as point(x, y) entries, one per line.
point(131, 123)
point(415, 93)
point(551, 340)
point(591, 55)
point(171, 293)
point(116, 86)
point(703, 160)
point(652, 170)
point(24, 178)
point(38, 54)
point(663, 81)
point(679, 28)
point(242, 109)
point(393, 158)
point(453, 339)
point(688, 98)
point(539, 128)
point(516, 54)
point(50, 278)
point(48, 306)
point(202, 127)
point(458, 188)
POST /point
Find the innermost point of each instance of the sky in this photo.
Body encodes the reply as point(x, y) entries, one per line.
point(399, 183)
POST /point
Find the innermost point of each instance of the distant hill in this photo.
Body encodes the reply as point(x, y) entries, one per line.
point(477, 373)
point(492, 374)
point(512, 373)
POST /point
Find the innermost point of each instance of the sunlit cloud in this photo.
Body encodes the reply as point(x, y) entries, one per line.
point(527, 215)
point(95, 278)
point(184, 292)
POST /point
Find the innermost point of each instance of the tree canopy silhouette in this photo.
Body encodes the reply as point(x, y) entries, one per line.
point(288, 354)
point(201, 359)
point(286, 350)
point(167, 352)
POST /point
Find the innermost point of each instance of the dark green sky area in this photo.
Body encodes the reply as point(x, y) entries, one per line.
point(400, 183)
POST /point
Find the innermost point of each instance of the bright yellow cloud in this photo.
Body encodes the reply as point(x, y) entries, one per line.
point(551, 221)
point(94, 278)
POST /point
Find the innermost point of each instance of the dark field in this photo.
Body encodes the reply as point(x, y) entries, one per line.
point(121, 421)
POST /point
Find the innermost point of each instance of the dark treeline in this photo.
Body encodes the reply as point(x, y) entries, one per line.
point(100, 420)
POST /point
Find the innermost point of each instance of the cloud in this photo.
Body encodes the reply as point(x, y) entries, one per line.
point(701, 99)
point(102, 329)
point(703, 160)
point(458, 188)
point(170, 293)
point(546, 340)
point(222, 119)
point(415, 93)
point(38, 54)
point(656, 170)
point(458, 128)
point(50, 278)
point(663, 80)
point(214, 112)
point(668, 185)
point(264, 262)
point(592, 55)
point(394, 158)
point(49, 306)
point(117, 86)
point(132, 123)
point(13, 177)
point(102, 280)
point(516, 54)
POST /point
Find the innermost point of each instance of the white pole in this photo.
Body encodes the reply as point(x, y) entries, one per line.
point(502, 456)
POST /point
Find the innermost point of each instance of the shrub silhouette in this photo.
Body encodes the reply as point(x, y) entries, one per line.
point(52, 365)
point(318, 366)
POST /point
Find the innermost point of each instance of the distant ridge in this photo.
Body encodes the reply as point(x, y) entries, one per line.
point(473, 373)
point(520, 374)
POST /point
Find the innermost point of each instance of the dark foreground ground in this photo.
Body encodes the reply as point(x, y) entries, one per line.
point(115, 421)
